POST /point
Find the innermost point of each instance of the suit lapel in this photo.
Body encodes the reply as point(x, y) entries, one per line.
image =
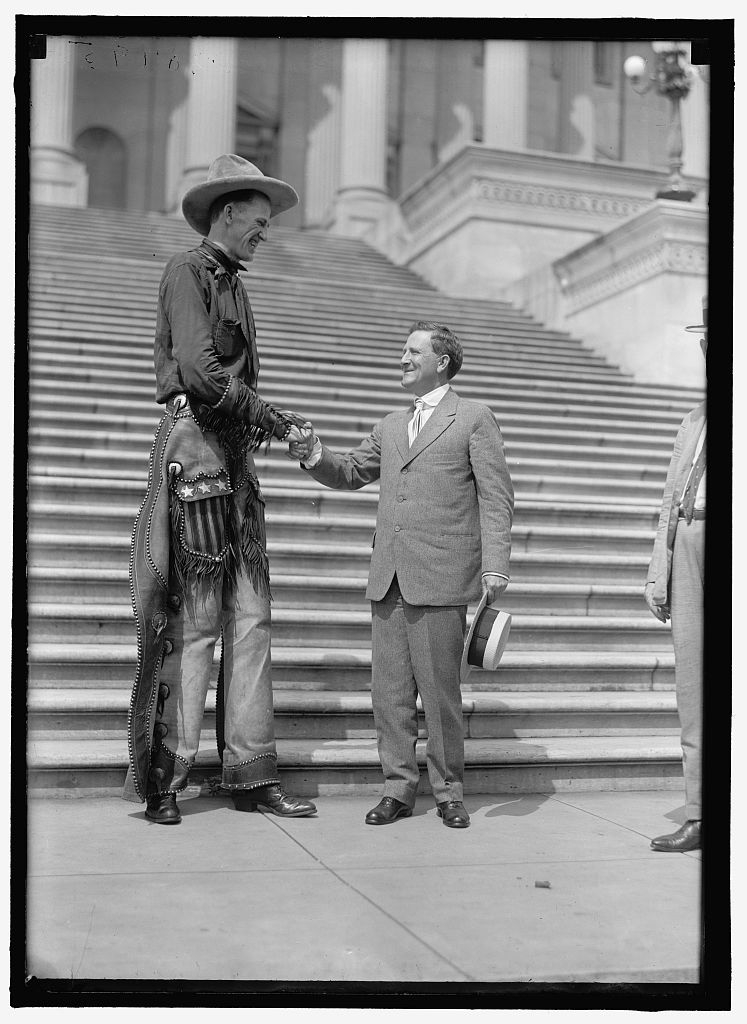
point(441, 418)
point(401, 439)
point(690, 444)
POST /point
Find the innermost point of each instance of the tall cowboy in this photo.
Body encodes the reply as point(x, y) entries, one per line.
point(199, 568)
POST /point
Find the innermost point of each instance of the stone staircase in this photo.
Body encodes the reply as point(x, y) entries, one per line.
point(584, 695)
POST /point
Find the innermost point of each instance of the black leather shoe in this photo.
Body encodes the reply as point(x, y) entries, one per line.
point(388, 810)
point(162, 808)
point(684, 839)
point(454, 813)
point(273, 799)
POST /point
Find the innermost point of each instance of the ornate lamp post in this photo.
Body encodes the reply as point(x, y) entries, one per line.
point(671, 79)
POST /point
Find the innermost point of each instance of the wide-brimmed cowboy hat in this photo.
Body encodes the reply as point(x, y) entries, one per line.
point(700, 328)
point(486, 638)
point(231, 173)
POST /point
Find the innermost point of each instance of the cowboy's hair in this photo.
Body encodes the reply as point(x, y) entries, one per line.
point(443, 342)
point(243, 196)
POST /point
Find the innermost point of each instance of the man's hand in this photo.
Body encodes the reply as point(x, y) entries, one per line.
point(661, 611)
point(301, 449)
point(301, 442)
point(296, 419)
point(493, 586)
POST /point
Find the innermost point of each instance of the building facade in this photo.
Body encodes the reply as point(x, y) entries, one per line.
point(480, 163)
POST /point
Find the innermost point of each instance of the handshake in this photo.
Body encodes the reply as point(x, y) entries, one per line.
point(301, 436)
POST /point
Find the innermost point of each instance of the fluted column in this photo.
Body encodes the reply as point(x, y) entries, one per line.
point(696, 129)
point(505, 93)
point(211, 107)
point(362, 195)
point(57, 176)
point(576, 134)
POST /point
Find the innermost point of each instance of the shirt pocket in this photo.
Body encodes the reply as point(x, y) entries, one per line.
point(229, 340)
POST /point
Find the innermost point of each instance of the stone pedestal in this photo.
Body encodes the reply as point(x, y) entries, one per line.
point(57, 176)
point(362, 199)
point(211, 108)
point(630, 293)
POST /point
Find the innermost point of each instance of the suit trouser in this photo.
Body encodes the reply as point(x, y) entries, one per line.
point(249, 757)
point(687, 633)
point(418, 649)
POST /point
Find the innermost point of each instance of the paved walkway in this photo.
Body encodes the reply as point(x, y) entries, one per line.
point(250, 896)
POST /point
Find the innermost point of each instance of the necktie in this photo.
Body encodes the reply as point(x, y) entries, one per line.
point(417, 421)
point(687, 502)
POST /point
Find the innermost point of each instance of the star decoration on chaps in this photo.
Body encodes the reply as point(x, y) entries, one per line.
point(203, 485)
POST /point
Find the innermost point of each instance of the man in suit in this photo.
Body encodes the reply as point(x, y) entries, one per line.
point(675, 589)
point(443, 524)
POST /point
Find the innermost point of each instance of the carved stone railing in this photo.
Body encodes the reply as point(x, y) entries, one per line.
point(486, 218)
point(630, 293)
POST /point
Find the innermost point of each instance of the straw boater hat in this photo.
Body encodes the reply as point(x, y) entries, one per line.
point(231, 173)
point(701, 328)
point(486, 638)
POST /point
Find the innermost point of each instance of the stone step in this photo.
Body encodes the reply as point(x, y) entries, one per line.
point(55, 369)
point(74, 305)
point(302, 494)
point(355, 530)
point(46, 461)
point(140, 278)
point(348, 428)
point(124, 351)
point(68, 549)
point(299, 491)
point(382, 360)
point(356, 411)
point(640, 463)
point(48, 354)
point(536, 526)
point(111, 586)
point(329, 627)
point(352, 766)
point(521, 398)
point(71, 665)
point(89, 714)
point(82, 240)
point(587, 448)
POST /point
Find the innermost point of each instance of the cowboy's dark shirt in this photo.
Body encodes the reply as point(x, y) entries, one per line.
point(205, 336)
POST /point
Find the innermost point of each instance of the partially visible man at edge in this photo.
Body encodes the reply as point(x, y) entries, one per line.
point(675, 589)
point(199, 569)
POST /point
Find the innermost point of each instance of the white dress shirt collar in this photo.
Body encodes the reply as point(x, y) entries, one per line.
point(433, 397)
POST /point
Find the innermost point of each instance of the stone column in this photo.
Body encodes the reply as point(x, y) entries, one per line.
point(505, 94)
point(211, 108)
point(57, 176)
point(576, 134)
point(362, 200)
point(696, 129)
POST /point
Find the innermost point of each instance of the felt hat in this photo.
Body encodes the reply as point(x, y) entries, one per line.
point(486, 638)
point(231, 173)
point(701, 328)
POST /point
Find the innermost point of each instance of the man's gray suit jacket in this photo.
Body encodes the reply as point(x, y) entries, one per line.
point(660, 567)
point(445, 504)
